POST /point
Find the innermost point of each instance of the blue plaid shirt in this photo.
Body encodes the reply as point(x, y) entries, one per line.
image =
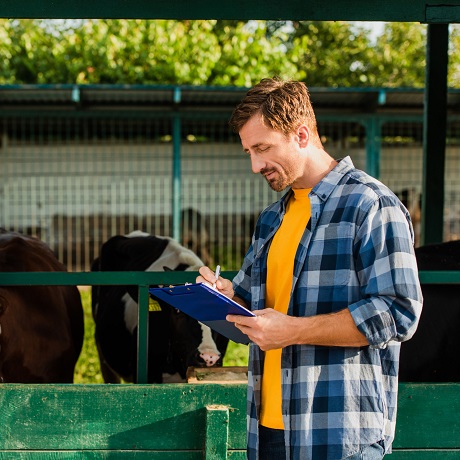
point(356, 253)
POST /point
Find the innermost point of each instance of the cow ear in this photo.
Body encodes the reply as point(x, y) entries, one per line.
point(167, 269)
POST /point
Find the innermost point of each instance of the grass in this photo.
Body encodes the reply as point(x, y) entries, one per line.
point(88, 370)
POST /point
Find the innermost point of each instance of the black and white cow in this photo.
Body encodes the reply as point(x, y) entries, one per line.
point(433, 353)
point(176, 341)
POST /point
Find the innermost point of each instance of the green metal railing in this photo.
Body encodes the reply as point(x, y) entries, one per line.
point(145, 279)
point(141, 279)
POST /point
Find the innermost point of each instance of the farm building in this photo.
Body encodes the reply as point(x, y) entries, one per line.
point(82, 163)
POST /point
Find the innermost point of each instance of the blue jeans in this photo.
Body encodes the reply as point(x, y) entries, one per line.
point(271, 444)
point(272, 447)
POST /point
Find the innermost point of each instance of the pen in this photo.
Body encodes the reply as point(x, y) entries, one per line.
point(216, 274)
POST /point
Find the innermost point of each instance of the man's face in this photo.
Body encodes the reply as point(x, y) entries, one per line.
point(272, 154)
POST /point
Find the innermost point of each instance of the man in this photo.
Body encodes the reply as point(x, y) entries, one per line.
point(332, 278)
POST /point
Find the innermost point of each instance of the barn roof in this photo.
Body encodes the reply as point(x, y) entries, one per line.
point(94, 98)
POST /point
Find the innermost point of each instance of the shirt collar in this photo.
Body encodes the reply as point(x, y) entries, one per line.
point(327, 184)
point(325, 187)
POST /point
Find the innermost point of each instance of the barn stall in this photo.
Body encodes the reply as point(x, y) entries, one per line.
point(81, 426)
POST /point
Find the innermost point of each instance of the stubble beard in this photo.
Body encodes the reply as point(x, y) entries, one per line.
point(278, 183)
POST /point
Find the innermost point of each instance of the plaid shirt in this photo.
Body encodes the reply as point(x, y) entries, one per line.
point(356, 253)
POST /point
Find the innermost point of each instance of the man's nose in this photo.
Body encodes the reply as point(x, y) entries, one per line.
point(256, 164)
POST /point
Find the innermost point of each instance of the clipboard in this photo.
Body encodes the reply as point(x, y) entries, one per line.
point(206, 305)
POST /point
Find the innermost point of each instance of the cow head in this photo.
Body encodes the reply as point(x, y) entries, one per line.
point(192, 343)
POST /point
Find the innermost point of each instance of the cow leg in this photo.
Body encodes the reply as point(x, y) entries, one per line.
point(107, 373)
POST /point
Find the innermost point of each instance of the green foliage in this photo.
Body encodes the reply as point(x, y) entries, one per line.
point(322, 53)
point(330, 54)
point(88, 369)
point(454, 56)
point(237, 354)
point(399, 58)
point(248, 54)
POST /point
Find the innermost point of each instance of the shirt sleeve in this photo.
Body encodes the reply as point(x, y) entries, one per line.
point(391, 301)
point(242, 281)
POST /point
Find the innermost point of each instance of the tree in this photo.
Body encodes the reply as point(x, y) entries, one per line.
point(400, 56)
point(139, 52)
point(24, 51)
point(248, 54)
point(454, 56)
point(330, 54)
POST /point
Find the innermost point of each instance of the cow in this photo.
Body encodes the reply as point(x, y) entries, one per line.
point(433, 354)
point(41, 327)
point(175, 340)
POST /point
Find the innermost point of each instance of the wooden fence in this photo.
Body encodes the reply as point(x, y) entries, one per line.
point(186, 422)
point(181, 421)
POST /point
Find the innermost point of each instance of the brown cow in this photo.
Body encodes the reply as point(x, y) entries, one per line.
point(41, 327)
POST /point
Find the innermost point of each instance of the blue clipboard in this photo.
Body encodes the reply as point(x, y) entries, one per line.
point(206, 305)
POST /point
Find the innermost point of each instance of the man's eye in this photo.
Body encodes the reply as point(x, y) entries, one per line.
point(263, 149)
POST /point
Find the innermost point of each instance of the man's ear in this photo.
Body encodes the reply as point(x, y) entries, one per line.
point(303, 136)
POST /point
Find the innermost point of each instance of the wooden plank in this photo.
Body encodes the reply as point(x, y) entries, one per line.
point(318, 10)
point(228, 375)
point(438, 454)
point(216, 439)
point(113, 455)
point(101, 455)
point(439, 277)
point(116, 417)
point(237, 455)
point(188, 455)
point(47, 422)
point(428, 416)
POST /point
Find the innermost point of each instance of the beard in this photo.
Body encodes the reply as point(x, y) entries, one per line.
point(279, 181)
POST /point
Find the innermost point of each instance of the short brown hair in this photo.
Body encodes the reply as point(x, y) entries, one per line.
point(283, 105)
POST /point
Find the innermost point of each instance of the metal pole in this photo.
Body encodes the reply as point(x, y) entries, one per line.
point(373, 145)
point(142, 334)
point(434, 134)
point(176, 186)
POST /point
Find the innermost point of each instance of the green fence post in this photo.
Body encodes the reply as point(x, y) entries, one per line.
point(216, 441)
point(176, 192)
point(142, 333)
point(373, 145)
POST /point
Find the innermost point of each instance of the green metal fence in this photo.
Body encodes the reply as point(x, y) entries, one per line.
point(145, 279)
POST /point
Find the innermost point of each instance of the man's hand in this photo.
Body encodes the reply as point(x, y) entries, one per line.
point(223, 285)
point(270, 329)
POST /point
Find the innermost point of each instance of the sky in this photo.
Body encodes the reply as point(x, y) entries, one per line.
point(375, 28)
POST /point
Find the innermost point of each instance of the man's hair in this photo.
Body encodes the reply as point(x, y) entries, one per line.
point(283, 106)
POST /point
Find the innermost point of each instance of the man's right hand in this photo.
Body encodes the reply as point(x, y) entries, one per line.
point(223, 285)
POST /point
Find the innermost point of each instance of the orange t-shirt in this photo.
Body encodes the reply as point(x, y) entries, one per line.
point(280, 271)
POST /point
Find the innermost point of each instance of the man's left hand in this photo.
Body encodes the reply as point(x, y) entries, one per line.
point(269, 329)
